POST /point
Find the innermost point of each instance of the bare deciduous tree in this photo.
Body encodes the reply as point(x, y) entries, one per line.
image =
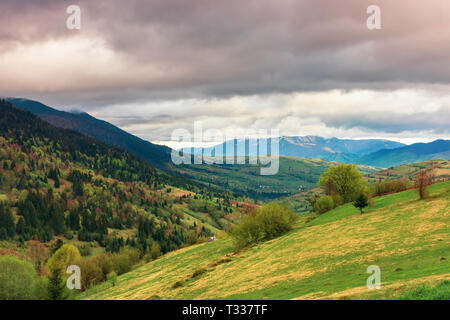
point(422, 179)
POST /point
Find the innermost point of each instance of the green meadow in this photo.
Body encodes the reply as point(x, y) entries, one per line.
point(326, 258)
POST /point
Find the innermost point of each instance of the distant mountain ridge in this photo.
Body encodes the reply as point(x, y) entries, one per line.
point(372, 152)
point(436, 150)
point(332, 149)
point(333, 146)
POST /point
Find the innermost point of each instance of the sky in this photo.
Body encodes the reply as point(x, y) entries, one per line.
point(301, 66)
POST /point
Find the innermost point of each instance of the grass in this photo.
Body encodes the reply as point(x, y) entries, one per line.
point(442, 171)
point(326, 258)
point(427, 292)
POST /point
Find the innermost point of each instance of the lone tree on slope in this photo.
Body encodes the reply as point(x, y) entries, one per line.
point(361, 202)
point(422, 179)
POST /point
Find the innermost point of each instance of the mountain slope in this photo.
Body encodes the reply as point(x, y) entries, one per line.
point(58, 182)
point(436, 150)
point(326, 258)
point(332, 149)
point(156, 155)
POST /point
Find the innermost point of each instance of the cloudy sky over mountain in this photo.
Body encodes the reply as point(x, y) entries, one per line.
point(306, 67)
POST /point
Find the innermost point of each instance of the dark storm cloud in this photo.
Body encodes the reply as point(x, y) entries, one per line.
point(255, 46)
point(159, 50)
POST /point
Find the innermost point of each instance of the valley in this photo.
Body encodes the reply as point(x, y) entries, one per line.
point(59, 184)
point(175, 224)
point(196, 155)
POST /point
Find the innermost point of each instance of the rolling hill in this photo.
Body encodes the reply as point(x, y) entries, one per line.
point(325, 258)
point(441, 171)
point(417, 152)
point(298, 200)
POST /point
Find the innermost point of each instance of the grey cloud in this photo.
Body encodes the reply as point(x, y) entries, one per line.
point(436, 122)
point(227, 48)
point(214, 49)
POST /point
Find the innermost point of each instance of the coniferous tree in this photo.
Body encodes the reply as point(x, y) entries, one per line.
point(361, 202)
point(6, 222)
point(56, 285)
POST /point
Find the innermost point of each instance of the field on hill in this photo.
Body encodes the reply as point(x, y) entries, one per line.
point(326, 258)
point(441, 171)
point(298, 201)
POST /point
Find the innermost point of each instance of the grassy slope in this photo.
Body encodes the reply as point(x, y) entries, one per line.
point(298, 201)
point(441, 171)
point(326, 258)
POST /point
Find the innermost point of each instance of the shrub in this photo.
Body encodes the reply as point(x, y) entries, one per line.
point(312, 199)
point(125, 259)
point(113, 278)
point(68, 234)
point(18, 280)
point(121, 263)
point(155, 251)
point(85, 250)
point(264, 224)
point(178, 284)
point(220, 261)
point(337, 200)
point(192, 238)
point(91, 273)
point(198, 273)
point(65, 256)
point(393, 185)
point(133, 254)
point(105, 263)
point(324, 204)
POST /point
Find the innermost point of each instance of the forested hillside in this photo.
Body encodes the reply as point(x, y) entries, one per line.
point(156, 155)
point(56, 182)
